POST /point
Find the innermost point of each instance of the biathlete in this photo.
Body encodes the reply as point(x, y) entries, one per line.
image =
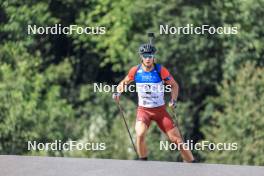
point(149, 77)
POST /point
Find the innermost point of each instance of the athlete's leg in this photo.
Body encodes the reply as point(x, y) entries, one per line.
point(166, 124)
point(175, 137)
point(141, 130)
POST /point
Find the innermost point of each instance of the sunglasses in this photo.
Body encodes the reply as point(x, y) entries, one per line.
point(151, 56)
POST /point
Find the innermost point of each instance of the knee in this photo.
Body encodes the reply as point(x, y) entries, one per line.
point(140, 138)
point(176, 139)
point(140, 132)
point(140, 135)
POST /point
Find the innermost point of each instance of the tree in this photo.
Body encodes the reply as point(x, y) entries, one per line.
point(32, 107)
point(236, 116)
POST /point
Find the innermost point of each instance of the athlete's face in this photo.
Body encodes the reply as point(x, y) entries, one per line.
point(148, 59)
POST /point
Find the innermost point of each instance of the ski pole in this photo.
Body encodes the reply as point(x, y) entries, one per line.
point(177, 124)
point(176, 120)
point(123, 116)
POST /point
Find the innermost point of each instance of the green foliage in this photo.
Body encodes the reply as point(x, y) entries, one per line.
point(18, 19)
point(115, 16)
point(31, 107)
point(45, 80)
point(100, 121)
point(237, 117)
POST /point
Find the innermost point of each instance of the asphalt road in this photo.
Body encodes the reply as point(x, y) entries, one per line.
point(55, 166)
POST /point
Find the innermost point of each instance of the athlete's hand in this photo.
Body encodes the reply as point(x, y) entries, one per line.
point(116, 96)
point(173, 103)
